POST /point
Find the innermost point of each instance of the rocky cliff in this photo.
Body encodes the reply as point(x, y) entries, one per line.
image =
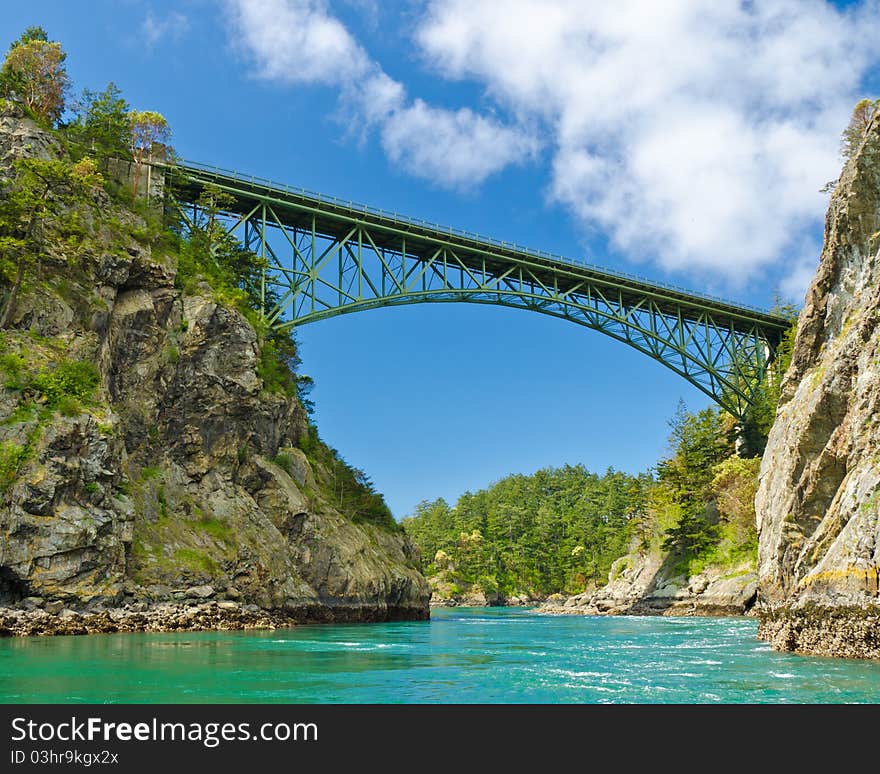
point(818, 502)
point(646, 582)
point(182, 478)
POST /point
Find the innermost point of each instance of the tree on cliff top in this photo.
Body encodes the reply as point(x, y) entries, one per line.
point(102, 123)
point(149, 137)
point(33, 74)
point(854, 133)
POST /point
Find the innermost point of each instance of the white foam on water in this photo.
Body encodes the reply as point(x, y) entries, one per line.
point(572, 673)
point(479, 621)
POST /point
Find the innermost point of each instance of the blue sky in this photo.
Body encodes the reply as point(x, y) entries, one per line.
point(683, 141)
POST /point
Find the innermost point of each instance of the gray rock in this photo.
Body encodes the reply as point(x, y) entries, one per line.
point(818, 502)
point(184, 474)
point(200, 592)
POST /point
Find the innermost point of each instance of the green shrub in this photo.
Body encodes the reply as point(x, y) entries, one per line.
point(275, 373)
point(68, 406)
point(11, 458)
point(215, 528)
point(70, 379)
point(13, 369)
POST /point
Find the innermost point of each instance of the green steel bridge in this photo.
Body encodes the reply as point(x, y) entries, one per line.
point(328, 257)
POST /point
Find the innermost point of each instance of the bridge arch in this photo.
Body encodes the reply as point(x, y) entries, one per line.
point(327, 258)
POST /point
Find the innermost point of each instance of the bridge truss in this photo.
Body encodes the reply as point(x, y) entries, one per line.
point(327, 257)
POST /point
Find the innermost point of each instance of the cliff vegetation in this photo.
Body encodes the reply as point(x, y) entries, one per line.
point(155, 440)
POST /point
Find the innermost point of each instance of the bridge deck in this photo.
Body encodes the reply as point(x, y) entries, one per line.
point(305, 210)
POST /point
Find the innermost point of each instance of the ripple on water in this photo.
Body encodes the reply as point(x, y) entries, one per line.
point(571, 673)
point(459, 657)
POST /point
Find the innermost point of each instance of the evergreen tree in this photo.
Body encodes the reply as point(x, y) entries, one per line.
point(552, 531)
point(103, 123)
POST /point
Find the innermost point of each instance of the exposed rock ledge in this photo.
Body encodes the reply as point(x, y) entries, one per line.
point(479, 599)
point(847, 632)
point(191, 615)
point(647, 588)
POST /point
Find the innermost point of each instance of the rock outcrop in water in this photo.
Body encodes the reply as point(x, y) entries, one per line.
point(818, 503)
point(184, 480)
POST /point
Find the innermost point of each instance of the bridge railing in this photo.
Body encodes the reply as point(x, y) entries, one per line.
point(366, 209)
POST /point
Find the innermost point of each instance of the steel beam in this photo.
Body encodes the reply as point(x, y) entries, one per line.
point(723, 349)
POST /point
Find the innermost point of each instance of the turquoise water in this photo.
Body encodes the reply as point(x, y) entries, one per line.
point(476, 655)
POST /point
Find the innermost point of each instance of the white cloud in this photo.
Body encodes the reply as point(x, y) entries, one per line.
point(695, 133)
point(173, 26)
point(457, 148)
point(300, 41)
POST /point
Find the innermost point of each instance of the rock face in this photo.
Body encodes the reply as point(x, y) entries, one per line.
point(818, 502)
point(184, 479)
point(642, 583)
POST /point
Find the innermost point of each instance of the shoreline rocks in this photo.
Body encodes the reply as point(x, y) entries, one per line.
point(641, 586)
point(822, 630)
point(192, 615)
point(479, 599)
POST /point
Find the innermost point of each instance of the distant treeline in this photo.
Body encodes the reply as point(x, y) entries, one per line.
point(549, 531)
point(560, 530)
